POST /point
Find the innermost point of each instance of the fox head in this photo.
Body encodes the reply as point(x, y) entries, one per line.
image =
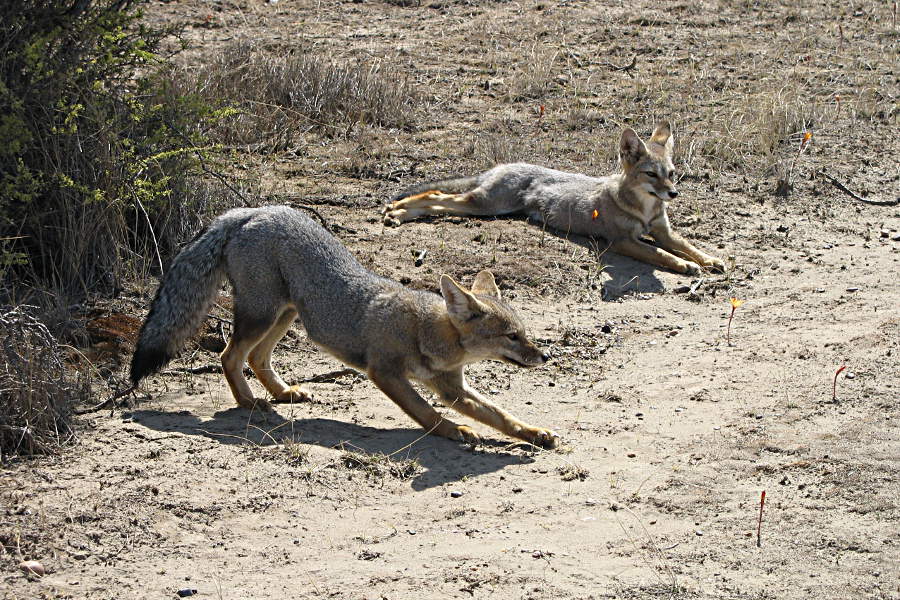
point(488, 327)
point(648, 167)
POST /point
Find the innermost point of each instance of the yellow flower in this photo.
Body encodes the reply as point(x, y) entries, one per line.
point(735, 303)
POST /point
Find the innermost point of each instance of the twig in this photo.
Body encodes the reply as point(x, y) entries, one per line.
point(110, 403)
point(834, 383)
point(627, 68)
point(856, 197)
point(762, 502)
point(152, 233)
point(206, 169)
point(695, 287)
point(313, 211)
point(332, 376)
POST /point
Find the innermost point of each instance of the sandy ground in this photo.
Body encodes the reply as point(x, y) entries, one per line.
point(669, 434)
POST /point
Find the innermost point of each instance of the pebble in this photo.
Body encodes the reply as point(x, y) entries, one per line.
point(455, 494)
point(852, 289)
point(185, 593)
point(682, 289)
point(699, 533)
point(820, 290)
point(850, 375)
point(32, 567)
point(896, 237)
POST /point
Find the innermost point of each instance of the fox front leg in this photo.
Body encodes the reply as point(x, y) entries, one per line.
point(405, 396)
point(455, 392)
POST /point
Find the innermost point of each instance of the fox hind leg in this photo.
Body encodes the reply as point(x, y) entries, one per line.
point(432, 202)
point(250, 328)
point(260, 360)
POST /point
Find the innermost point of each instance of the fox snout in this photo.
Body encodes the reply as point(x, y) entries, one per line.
point(673, 193)
point(526, 354)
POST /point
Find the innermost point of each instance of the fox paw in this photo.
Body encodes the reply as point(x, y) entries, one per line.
point(259, 404)
point(393, 218)
point(294, 393)
point(690, 268)
point(467, 435)
point(542, 438)
point(711, 262)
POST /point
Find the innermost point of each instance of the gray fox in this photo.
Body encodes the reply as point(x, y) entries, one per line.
point(619, 208)
point(282, 265)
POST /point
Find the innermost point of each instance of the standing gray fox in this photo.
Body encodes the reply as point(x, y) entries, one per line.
point(619, 208)
point(282, 265)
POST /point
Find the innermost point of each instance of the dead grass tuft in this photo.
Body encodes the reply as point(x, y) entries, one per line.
point(380, 466)
point(37, 390)
point(279, 96)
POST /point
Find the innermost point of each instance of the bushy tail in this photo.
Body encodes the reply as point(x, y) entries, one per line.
point(184, 297)
point(457, 185)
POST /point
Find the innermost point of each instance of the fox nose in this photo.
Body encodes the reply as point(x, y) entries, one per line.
point(673, 194)
point(545, 356)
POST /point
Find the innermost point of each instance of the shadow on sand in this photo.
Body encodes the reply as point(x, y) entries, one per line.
point(443, 461)
point(626, 275)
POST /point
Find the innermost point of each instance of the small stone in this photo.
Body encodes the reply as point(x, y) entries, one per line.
point(590, 502)
point(698, 533)
point(32, 567)
point(631, 455)
point(455, 494)
point(607, 327)
point(885, 233)
point(819, 290)
point(682, 289)
point(186, 593)
point(850, 375)
point(517, 490)
point(852, 289)
point(411, 531)
point(782, 228)
point(896, 237)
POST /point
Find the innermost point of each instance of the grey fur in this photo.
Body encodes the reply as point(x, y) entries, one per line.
point(282, 265)
point(619, 208)
point(185, 295)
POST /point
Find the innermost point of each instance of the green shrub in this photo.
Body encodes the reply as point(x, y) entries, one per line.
point(98, 153)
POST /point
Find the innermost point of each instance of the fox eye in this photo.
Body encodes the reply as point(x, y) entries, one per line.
point(513, 337)
point(650, 174)
point(671, 174)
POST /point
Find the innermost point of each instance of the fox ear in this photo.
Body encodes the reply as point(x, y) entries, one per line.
point(461, 305)
point(662, 135)
point(485, 285)
point(631, 148)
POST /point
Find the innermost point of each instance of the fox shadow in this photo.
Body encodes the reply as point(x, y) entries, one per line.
point(625, 275)
point(443, 461)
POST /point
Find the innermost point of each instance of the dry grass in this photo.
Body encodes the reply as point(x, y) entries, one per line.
point(37, 390)
point(380, 466)
point(279, 96)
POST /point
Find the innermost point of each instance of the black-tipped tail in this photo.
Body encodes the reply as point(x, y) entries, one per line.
point(147, 361)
